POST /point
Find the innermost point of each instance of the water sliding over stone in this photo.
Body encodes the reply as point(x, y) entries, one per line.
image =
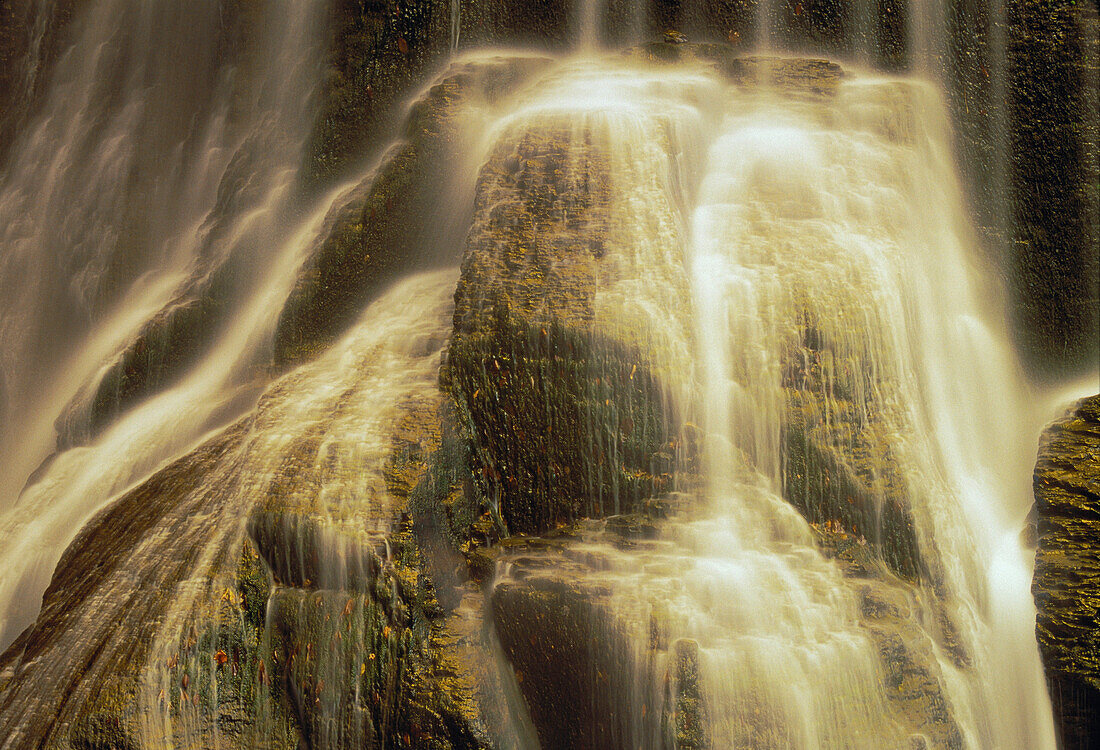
point(715, 447)
point(825, 240)
point(314, 470)
point(148, 211)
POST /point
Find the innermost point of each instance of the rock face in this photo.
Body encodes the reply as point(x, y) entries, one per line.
point(586, 647)
point(378, 52)
point(280, 646)
point(1054, 92)
point(551, 363)
point(1067, 570)
point(72, 668)
point(268, 588)
point(380, 229)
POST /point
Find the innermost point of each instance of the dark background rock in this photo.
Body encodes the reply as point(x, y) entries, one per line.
point(1054, 80)
point(26, 59)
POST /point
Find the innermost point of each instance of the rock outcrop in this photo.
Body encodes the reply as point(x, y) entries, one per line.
point(267, 589)
point(1053, 89)
point(1067, 570)
point(73, 669)
point(381, 228)
point(552, 365)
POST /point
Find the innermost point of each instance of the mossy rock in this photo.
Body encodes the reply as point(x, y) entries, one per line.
point(103, 607)
point(839, 464)
point(561, 388)
point(1066, 584)
point(377, 231)
point(898, 618)
point(840, 471)
point(791, 76)
point(378, 52)
point(507, 23)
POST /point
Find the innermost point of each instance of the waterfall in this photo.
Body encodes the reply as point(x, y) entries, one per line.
point(156, 162)
point(862, 223)
point(829, 251)
point(715, 439)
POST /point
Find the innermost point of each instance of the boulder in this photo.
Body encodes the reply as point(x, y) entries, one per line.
point(1066, 585)
point(562, 379)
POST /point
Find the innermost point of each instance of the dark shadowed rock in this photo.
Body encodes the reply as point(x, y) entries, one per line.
point(566, 414)
point(1067, 570)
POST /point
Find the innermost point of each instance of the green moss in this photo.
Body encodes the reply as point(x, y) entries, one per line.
point(689, 714)
point(561, 405)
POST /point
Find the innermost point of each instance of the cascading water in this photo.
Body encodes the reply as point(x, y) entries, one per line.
point(151, 186)
point(856, 225)
point(827, 246)
point(779, 253)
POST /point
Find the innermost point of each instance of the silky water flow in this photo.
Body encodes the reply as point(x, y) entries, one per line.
point(799, 257)
point(799, 264)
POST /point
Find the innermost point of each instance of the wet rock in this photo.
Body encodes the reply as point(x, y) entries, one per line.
point(840, 464)
point(167, 345)
point(1066, 585)
point(72, 670)
point(565, 413)
point(689, 716)
point(379, 230)
point(1054, 174)
point(166, 623)
point(177, 336)
point(570, 661)
point(507, 23)
point(101, 732)
point(840, 470)
point(914, 685)
point(378, 53)
point(893, 612)
point(683, 51)
point(356, 673)
point(795, 77)
point(792, 76)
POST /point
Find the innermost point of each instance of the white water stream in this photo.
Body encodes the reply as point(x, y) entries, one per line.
point(140, 172)
point(737, 213)
point(844, 210)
